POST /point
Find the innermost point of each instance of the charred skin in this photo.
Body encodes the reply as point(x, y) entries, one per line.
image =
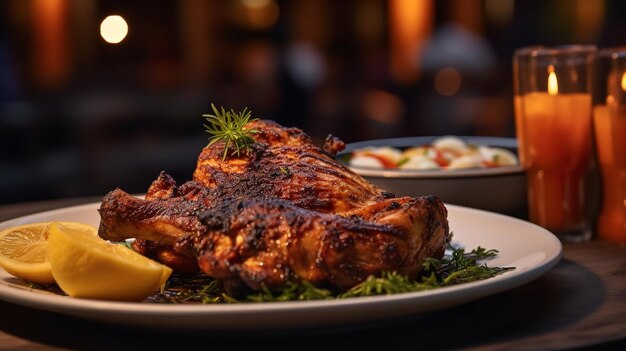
point(285, 164)
point(284, 210)
point(164, 253)
point(267, 242)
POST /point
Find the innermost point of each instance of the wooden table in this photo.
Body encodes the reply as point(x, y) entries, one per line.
point(580, 303)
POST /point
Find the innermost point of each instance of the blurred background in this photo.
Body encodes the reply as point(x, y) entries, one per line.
point(90, 102)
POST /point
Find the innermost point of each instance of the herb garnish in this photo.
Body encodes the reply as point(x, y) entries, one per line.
point(228, 127)
point(455, 268)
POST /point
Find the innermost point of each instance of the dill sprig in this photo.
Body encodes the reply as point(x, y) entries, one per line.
point(228, 127)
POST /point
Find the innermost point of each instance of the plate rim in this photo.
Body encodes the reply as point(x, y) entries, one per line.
point(113, 311)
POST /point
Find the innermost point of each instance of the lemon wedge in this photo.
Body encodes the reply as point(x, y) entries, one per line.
point(86, 266)
point(23, 252)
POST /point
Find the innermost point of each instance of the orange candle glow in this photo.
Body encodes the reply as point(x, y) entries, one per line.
point(610, 131)
point(410, 25)
point(51, 49)
point(555, 144)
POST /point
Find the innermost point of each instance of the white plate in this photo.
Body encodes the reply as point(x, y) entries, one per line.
point(529, 248)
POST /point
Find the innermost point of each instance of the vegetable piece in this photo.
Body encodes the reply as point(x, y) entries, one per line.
point(450, 143)
point(366, 161)
point(498, 156)
point(387, 157)
point(420, 162)
point(466, 161)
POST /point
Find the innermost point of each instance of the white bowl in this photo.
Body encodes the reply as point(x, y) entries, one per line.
point(497, 189)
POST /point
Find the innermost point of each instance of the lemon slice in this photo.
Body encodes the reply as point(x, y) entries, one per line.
point(23, 252)
point(86, 266)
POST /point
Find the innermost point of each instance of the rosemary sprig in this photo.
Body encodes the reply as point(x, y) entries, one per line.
point(228, 127)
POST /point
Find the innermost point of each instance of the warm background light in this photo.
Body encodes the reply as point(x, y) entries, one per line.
point(589, 18)
point(624, 81)
point(50, 42)
point(447, 81)
point(366, 69)
point(410, 25)
point(113, 29)
point(257, 14)
point(499, 12)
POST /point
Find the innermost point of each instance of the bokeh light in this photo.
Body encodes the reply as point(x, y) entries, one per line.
point(499, 12)
point(113, 29)
point(447, 81)
point(257, 14)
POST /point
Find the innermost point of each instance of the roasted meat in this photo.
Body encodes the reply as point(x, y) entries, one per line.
point(285, 164)
point(283, 210)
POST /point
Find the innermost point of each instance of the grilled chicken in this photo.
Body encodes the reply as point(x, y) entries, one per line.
point(283, 210)
point(285, 164)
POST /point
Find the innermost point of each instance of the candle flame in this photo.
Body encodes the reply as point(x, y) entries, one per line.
point(624, 81)
point(553, 85)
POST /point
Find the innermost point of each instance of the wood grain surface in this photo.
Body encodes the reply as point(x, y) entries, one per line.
point(580, 303)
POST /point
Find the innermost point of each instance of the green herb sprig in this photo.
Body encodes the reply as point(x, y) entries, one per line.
point(228, 127)
point(292, 291)
point(455, 268)
point(459, 267)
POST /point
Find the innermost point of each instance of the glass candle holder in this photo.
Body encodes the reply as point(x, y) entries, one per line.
point(609, 118)
point(553, 121)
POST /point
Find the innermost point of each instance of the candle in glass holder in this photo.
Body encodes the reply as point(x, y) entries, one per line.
point(554, 135)
point(610, 128)
point(609, 117)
